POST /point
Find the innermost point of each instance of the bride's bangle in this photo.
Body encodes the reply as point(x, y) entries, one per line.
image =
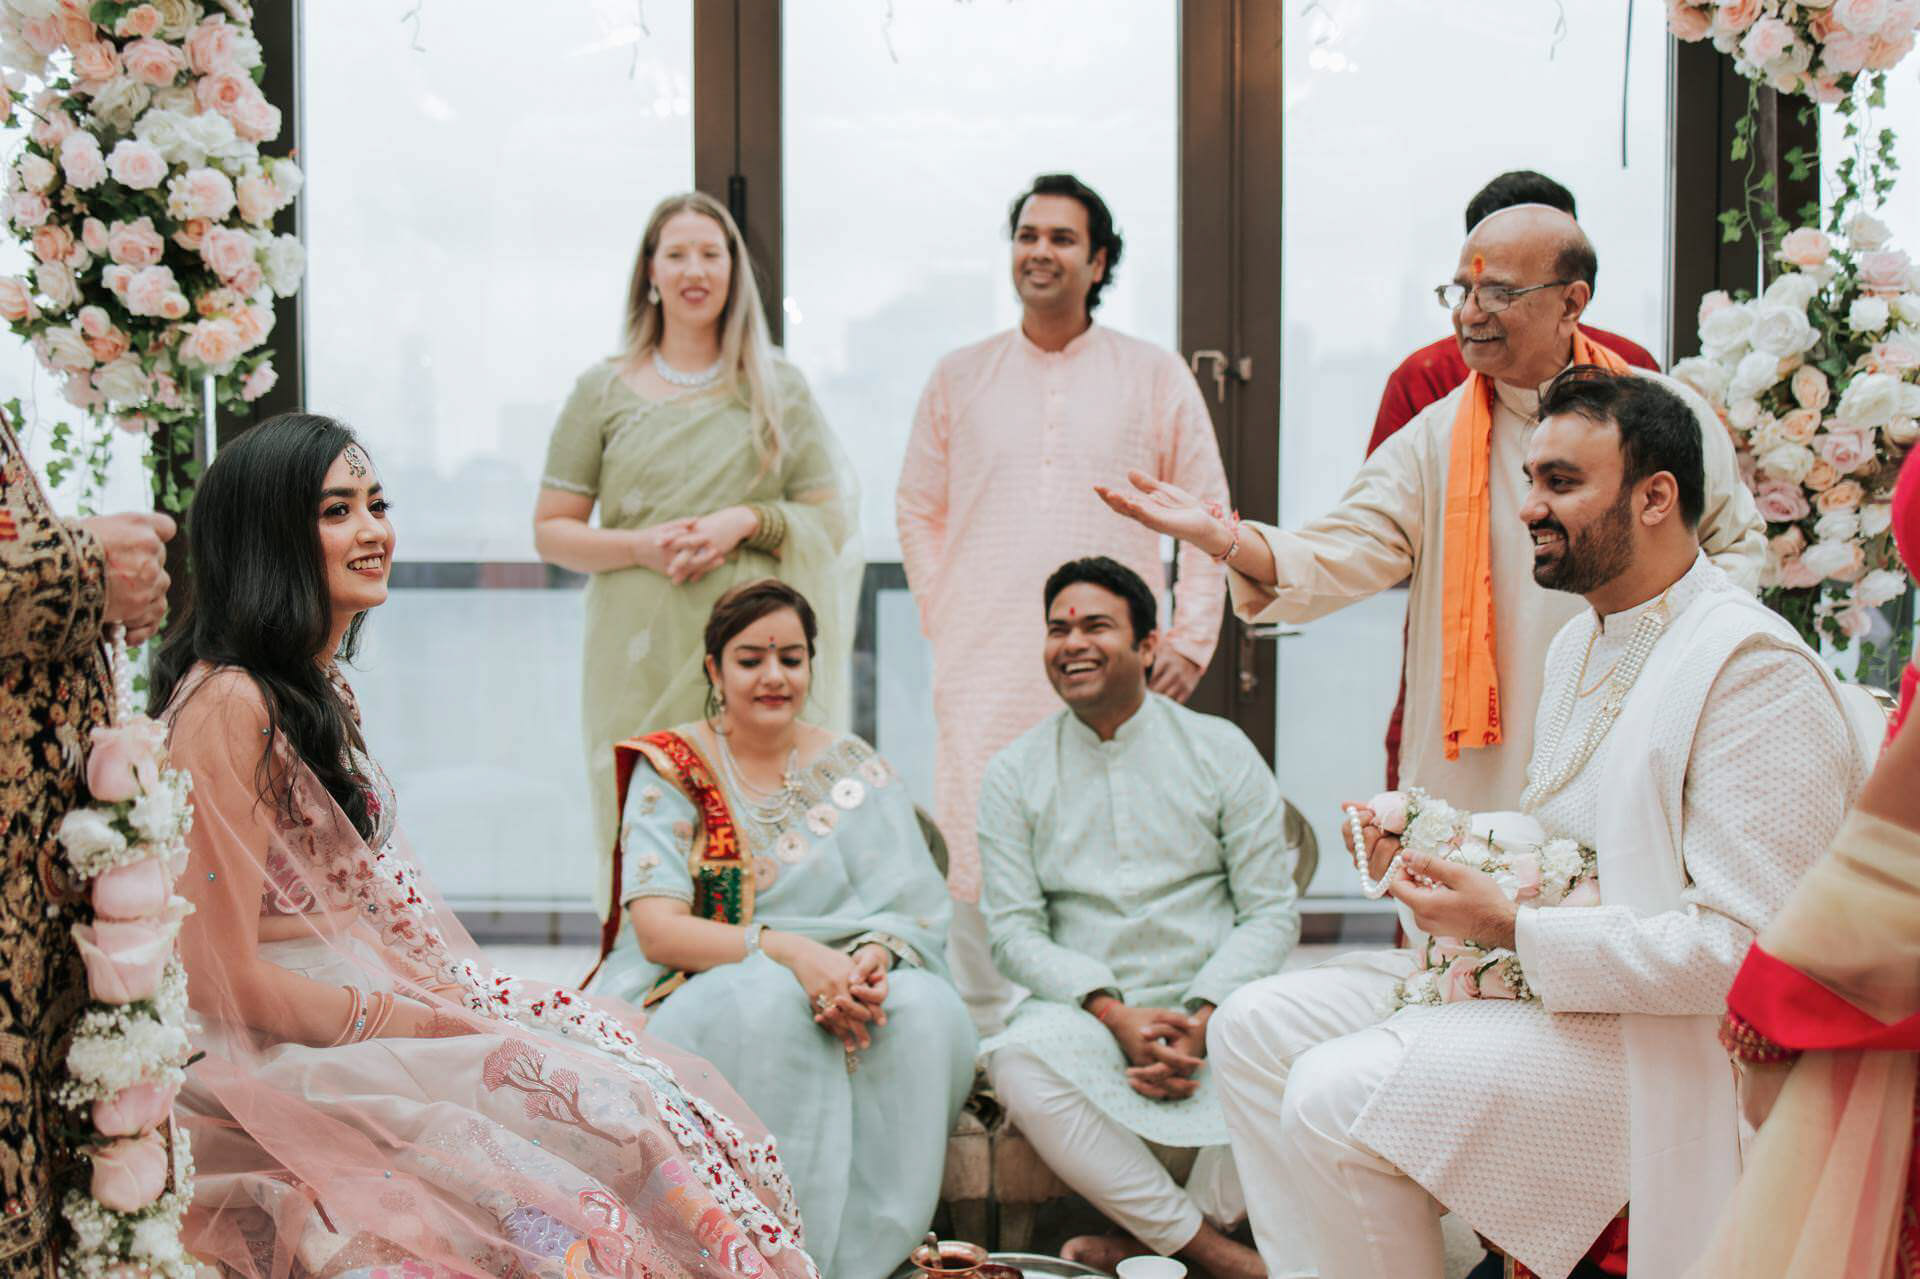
point(754, 933)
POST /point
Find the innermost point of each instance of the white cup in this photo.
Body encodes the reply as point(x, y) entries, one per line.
point(1152, 1268)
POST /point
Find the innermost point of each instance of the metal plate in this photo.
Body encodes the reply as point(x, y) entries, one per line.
point(1032, 1265)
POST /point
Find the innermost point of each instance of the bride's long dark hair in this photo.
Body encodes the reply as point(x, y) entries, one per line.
point(259, 600)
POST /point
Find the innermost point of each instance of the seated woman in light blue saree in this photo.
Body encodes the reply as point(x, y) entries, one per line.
point(782, 917)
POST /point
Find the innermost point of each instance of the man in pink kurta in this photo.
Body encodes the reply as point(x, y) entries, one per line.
point(997, 491)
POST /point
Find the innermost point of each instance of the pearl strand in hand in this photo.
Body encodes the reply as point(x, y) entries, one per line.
point(1373, 889)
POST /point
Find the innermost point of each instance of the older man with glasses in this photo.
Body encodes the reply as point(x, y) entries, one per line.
point(1438, 503)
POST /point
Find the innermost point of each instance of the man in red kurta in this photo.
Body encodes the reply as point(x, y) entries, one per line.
point(1428, 374)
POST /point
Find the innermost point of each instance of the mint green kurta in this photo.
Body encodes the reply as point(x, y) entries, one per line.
point(1154, 865)
point(865, 1149)
point(648, 461)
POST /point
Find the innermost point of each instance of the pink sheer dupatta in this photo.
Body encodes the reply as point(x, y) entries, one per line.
point(373, 1096)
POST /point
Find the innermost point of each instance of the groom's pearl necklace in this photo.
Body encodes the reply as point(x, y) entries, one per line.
point(1646, 633)
point(1372, 888)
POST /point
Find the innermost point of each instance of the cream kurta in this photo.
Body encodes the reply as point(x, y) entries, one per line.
point(1388, 528)
point(997, 492)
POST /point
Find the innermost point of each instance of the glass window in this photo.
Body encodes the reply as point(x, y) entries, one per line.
point(474, 205)
point(1395, 114)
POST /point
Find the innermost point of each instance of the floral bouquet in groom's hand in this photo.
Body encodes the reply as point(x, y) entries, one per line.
point(1514, 851)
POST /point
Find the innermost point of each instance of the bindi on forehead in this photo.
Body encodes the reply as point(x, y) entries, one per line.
point(355, 460)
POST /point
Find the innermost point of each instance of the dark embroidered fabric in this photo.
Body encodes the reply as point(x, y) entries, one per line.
point(53, 691)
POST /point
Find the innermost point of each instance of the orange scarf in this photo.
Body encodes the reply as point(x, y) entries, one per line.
point(1469, 680)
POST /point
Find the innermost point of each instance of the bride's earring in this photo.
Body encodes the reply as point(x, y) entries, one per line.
point(653, 294)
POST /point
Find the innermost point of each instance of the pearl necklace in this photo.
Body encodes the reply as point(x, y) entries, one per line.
point(1374, 889)
point(767, 809)
point(693, 381)
point(1619, 683)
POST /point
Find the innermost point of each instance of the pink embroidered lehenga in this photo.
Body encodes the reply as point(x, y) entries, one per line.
point(456, 1121)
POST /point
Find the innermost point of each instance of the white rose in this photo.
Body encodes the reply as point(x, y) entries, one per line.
point(1430, 829)
point(1907, 307)
point(286, 175)
point(1789, 462)
point(1746, 414)
point(1703, 375)
point(1879, 587)
point(63, 348)
point(1909, 400)
point(120, 102)
point(177, 98)
point(1865, 233)
point(122, 381)
point(1756, 373)
point(1794, 289)
point(1836, 526)
point(1764, 434)
point(1871, 399)
point(156, 814)
point(33, 10)
point(1727, 328)
point(1781, 331)
point(1828, 558)
point(178, 17)
point(285, 262)
point(164, 130)
point(55, 279)
point(85, 832)
point(246, 51)
point(35, 172)
point(1903, 430)
point(1875, 519)
point(1868, 315)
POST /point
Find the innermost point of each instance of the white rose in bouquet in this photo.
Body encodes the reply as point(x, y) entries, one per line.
point(1727, 328)
point(1907, 307)
point(1755, 374)
point(286, 261)
point(1876, 518)
point(156, 814)
point(1794, 289)
point(1871, 399)
point(1881, 586)
point(122, 381)
point(1903, 430)
point(1828, 558)
point(120, 102)
point(1865, 233)
point(1789, 462)
point(1782, 331)
point(1837, 526)
point(1745, 414)
point(35, 172)
point(86, 833)
point(1868, 314)
point(1705, 376)
point(63, 349)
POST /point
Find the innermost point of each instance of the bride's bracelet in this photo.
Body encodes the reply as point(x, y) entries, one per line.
point(356, 1018)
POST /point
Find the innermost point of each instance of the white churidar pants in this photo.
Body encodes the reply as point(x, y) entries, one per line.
point(1299, 1056)
point(989, 996)
point(1108, 1164)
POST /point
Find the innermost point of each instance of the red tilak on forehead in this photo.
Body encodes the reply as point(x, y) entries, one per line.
point(1479, 266)
point(1073, 612)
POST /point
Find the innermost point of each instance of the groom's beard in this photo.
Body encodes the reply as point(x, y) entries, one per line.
point(1595, 555)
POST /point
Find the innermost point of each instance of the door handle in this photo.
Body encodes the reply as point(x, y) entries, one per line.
point(1250, 635)
point(1224, 366)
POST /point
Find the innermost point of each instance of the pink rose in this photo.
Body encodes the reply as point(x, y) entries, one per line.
point(1826, 91)
point(254, 118)
point(1390, 811)
point(95, 61)
point(141, 21)
point(252, 323)
point(110, 346)
point(210, 46)
point(43, 35)
point(124, 959)
point(153, 62)
point(1767, 41)
point(124, 761)
point(226, 251)
point(1848, 449)
point(191, 232)
point(1494, 983)
point(200, 193)
point(259, 199)
point(1686, 21)
point(1810, 387)
point(135, 243)
point(1805, 247)
point(134, 1110)
point(259, 382)
point(81, 161)
point(16, 300)
point(1731, 17)
point(1781, 502)
point(1897, 355)
point(167, 391)
point(1844, 496)
point(1883, 273)
point(1787, 544)
point(136, 165)
point(52, 127)
point(28, 209)
point(128, 1175)
point(247, 279)
point(1820, 477)
point(1796, 575)
point(1457, 981)
point(212, 344)
point(222, 91)
point(78, 30)
point(217, 302)
point(1863, 17)
point(149, 288)
point(133, 891)
point(94, 321)
point(1525, 869)
point(52, 242)
point(1800, 426)
point(93, 234)
point(1584, 893)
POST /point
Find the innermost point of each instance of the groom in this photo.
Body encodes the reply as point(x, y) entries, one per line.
point(1689, 737)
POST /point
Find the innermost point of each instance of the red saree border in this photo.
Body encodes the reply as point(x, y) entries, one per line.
point(722, 884)
point(1795, 1011)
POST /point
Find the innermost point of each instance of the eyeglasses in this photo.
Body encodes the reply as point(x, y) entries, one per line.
point(1491, 298)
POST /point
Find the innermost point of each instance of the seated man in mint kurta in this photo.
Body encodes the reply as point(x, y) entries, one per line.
point(1136, 874)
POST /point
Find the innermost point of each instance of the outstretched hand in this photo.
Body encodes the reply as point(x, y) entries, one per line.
point(1170, 509)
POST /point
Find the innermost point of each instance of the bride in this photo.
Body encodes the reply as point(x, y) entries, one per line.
point(372, 1094)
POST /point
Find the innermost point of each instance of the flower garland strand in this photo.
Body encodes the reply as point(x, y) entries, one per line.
point(1529, 868)
point(147, 211)
point(130, 1050)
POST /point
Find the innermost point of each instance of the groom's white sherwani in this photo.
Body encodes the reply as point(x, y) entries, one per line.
point(1721, 783)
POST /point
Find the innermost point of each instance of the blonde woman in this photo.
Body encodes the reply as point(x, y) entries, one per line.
point(711, 465)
